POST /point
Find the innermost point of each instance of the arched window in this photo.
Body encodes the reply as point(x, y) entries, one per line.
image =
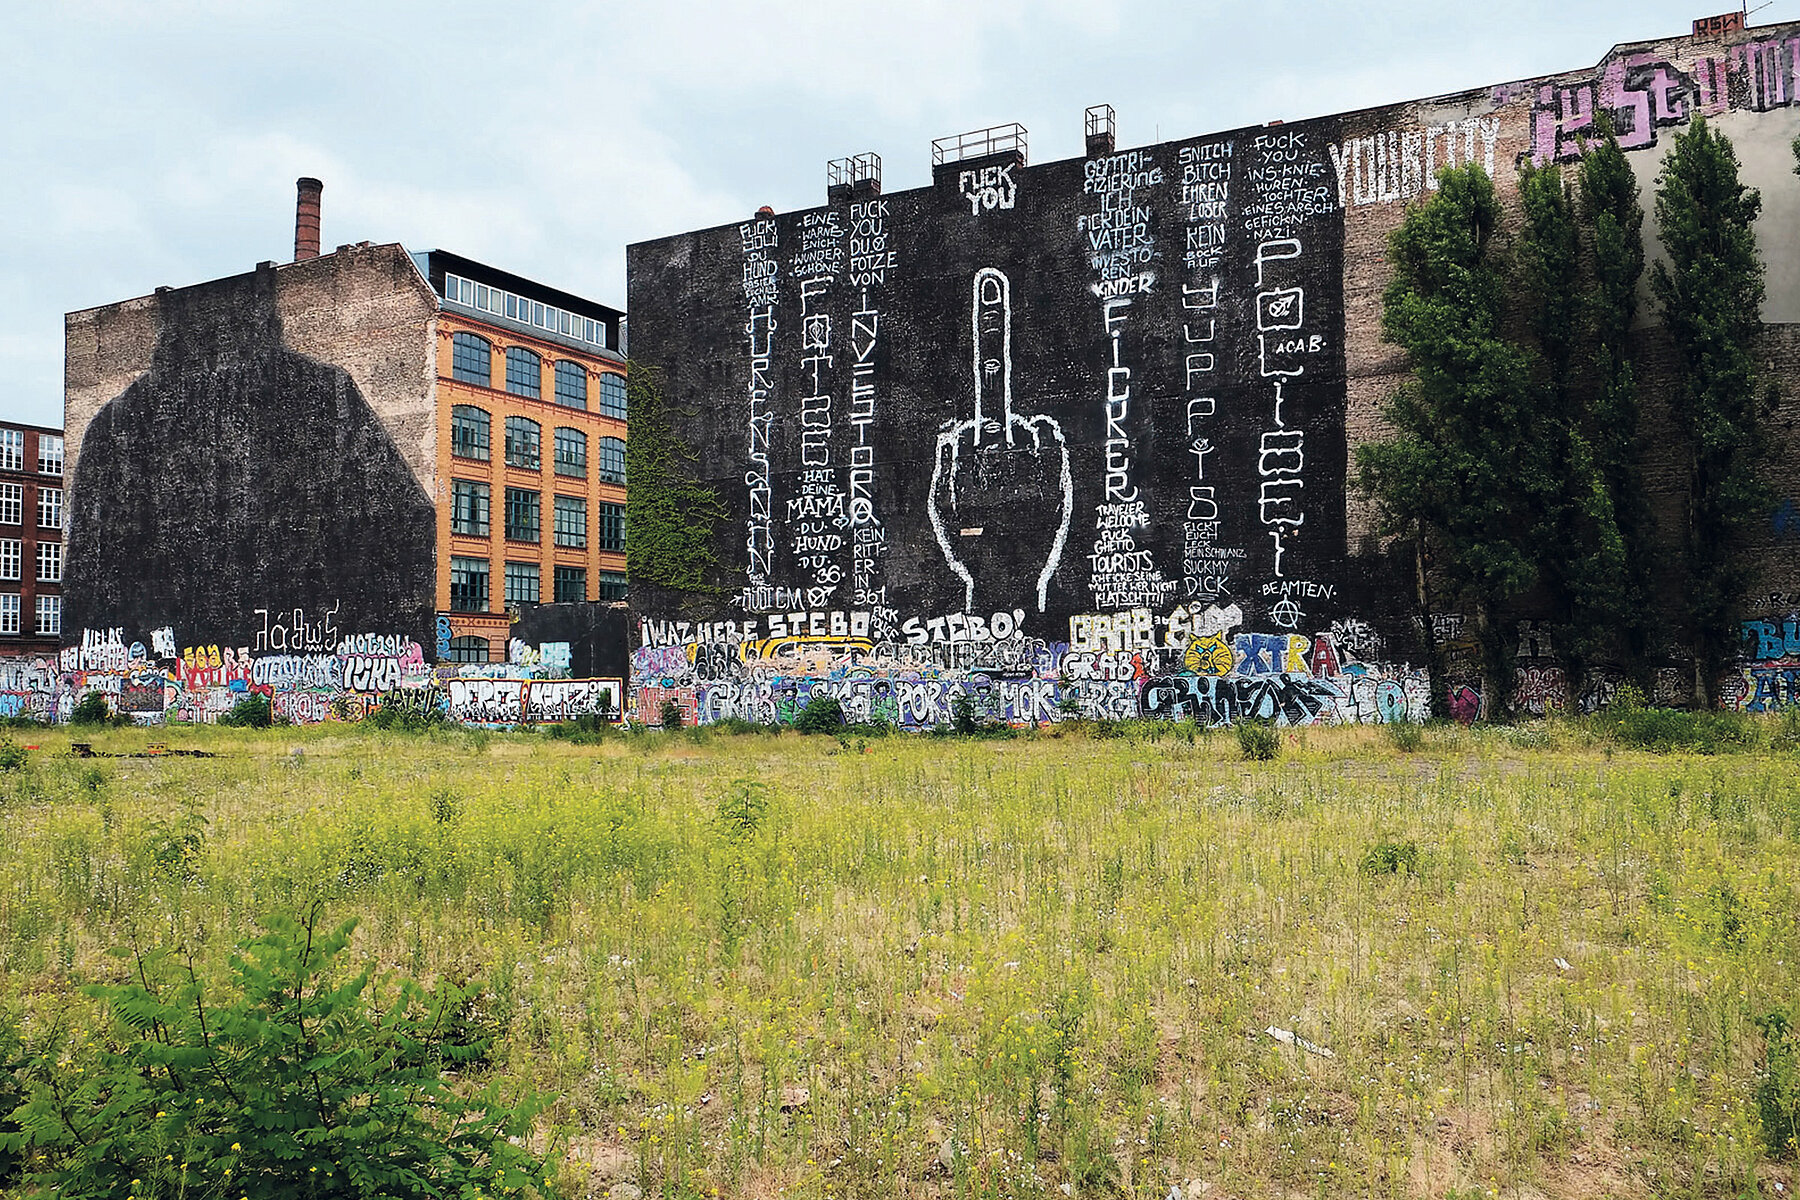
point(468, 649)
point(524, 442)
point(612, 460)
point(571, 453)
point(571, 384)
point(612, 394)
point(472, 359)
point(469, 432)
point(524, 372)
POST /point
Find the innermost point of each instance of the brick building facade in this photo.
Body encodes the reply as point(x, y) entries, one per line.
point(31, 539)
point(277, 460)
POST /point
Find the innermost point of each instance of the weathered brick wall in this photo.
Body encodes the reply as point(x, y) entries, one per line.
point(256, 451)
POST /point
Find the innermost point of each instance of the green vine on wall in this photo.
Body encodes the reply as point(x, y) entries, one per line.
point(670, 517)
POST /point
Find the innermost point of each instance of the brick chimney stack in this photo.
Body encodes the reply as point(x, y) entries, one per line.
point(306, 219)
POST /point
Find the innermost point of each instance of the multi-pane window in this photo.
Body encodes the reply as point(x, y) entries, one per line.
point(522, 515)
point(612, 460)
point(50, 454)
point(609, 526)
point(469, 436)
point(612, 394)
point(524, 372)
point(9, 613)
point(571, 384)
point(12, 503)
point(472, 359)
point(49, 562)
point(468, 507)
point(571, 585)
point(468, 649)
point(50, 508)
point(469, 584)
point(12, 550)
point(12, 450)
point(612, 585)
point(571, 452)
point(521, 583)
point(49, 614)
point(524, 443)
point(571, 521)
point(515, 307)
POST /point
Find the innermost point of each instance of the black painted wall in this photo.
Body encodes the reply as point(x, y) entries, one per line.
point(237, 475)
point(595, 633)
point(1168, 323)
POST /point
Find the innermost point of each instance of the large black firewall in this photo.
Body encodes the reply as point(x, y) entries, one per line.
point(1097, 386)
point(238, 476)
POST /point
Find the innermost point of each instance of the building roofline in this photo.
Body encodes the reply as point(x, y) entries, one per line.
point(485, 273)
point(51, 429)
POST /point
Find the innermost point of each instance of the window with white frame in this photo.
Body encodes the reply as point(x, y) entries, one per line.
point(49, 614)
point(12, 503)
point(50, 454)
point(9, 612)
point(515, 307)
point(12, 550)
point(50, 508)
point(49, 562)
point(12, 450)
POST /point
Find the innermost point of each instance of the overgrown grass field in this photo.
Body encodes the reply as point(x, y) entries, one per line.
point(1513, 962)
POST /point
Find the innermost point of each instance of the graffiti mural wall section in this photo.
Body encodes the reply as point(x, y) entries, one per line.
point(1074, 438)
point(308, 680)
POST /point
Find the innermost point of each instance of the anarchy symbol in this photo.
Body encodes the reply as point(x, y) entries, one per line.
point(1286, 614)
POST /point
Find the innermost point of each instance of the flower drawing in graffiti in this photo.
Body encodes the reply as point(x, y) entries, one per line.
point(1001, 492)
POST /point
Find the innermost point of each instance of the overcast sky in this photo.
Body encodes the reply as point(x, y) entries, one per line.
point(157, 143)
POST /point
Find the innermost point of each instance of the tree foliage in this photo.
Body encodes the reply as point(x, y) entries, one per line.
point(1577, 262)
point(1465, 472)
point(1710, 294)
point(297, 1081)
point(670, 517)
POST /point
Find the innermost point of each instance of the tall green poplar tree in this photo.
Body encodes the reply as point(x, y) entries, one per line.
point(1465, 473)
point(1710, 297)
point(1578, 263)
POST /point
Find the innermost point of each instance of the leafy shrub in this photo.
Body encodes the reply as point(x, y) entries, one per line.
point(252, 712)
point(1391, 858)
point(671, 714)
point(737, 726)
point(20, 721)
point(822, 714)
point(13, 756)
point(1778, 1086)
point(1259, 741)
point(1668, 730)
point(1404, 735)
point(963, 715)
point(92, 709)
point(585, 730)
point(743, 808)
point(393, 712)
point(295, 1082)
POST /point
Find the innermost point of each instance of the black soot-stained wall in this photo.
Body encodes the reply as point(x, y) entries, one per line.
point(1074, 438)
point(253, 447)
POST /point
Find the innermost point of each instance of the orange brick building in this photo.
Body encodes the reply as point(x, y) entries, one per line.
point(531, 422)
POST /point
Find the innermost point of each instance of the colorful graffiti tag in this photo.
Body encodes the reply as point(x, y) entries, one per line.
point(336, 680)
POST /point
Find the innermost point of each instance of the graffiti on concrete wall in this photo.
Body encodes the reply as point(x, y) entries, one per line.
point(1767, 677)
point(343, 678)
point(1197, 665)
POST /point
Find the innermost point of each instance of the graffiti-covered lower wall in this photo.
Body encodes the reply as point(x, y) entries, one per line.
point(1075, 438)
point(341, 678)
